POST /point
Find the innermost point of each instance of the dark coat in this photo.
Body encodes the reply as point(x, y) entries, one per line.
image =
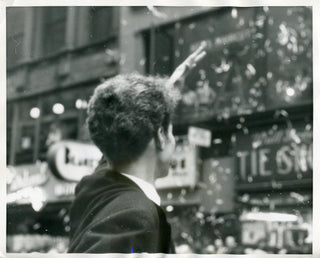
point(111, 214)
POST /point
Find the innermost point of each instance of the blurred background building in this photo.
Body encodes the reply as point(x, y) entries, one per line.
point(242, 181)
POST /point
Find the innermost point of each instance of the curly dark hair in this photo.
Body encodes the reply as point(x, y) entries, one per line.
point(125, 113)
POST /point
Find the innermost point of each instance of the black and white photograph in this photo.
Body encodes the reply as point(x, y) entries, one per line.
point(160, 129)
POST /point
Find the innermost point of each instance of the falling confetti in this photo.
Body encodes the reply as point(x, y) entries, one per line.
point(209, 192)
point(251, 69)
point(192, 26)
point(219, 201)
point(177, 25)
point(217, 141)
point(308, 127)
point(297, 196)
point(180, 41)
point(142, 62)
point(245, 130)
point(294, 136)
point(210, 29)
point(219, 84)
point(256, 144)
point(124, 22)
point(266, 9)
point(155, 12)
point(234, 13)
point(169, 208)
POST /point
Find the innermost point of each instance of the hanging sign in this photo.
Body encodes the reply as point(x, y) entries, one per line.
point(71, 161)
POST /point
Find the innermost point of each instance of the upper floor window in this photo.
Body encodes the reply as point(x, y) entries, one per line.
point(101, 23)
point(54, 29)
point(15, 35)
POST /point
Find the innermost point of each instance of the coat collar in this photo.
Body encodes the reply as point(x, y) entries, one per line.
point(148, 189)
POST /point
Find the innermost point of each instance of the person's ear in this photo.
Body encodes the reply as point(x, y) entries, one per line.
point(160, 139)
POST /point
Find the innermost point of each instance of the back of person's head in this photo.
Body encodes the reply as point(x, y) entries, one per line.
point(125, 113)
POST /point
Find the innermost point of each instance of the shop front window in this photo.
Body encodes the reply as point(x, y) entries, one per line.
point(159, 46)
point(25, 145)
point(25, 133)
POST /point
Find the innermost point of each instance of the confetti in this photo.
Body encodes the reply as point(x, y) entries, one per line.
point(251, 69)
point(234, 13)
point(217, 141)
point(192, 26)
point(266, 9)
point(157, 13)
point(169, 208)
point(124, 22)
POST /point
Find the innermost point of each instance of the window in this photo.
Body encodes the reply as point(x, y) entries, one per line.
point(101, 23)
point(25, 138)
point(54, 29)
point(44, 121)
point(15, 35)
point(159, 46)
point(26, 145)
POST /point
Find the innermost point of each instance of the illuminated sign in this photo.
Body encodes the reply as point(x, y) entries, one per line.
point(19, 177)
point(73, 160)
point(183, 171)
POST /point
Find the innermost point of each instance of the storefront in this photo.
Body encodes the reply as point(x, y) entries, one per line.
point(39, 197)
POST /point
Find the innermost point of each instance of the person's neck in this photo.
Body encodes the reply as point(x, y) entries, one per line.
point(143, 167)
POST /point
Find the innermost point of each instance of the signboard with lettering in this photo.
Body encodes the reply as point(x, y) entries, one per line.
point(183, 171)
point(73, 160)
point(274, 158)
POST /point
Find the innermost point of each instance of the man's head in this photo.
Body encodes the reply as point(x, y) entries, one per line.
point(126, 112)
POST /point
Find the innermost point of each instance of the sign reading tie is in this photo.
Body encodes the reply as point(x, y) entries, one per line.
point(71, 161)
point(275, 157)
